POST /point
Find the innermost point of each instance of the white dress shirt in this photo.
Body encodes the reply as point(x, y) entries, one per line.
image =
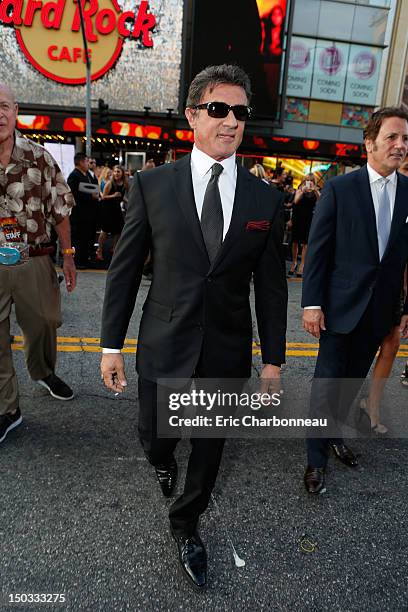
point(201, 165)
point(376, 181)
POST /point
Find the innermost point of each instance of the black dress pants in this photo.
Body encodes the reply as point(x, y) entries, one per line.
point(203, 464)
point(341, 356)
point(83, 234)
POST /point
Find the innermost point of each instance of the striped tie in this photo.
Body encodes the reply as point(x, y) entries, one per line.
point(212, 218)
point(383, 217)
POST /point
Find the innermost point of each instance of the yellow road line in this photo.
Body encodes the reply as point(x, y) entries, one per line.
point(302, 345)
point(133, 341)
point(83, 348)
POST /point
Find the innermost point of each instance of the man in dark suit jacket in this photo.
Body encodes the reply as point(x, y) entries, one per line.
point(357, 251)
point(211, 225)
point(83, 218)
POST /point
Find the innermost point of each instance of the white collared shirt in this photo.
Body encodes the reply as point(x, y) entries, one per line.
point(201, 165)
point(376, 181)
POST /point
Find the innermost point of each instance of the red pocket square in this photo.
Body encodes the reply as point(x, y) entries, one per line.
point(258, 225)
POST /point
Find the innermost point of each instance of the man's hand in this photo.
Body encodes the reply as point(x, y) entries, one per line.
point(313, 321)
point(69, 270)
point(270, 379)
point(113, 372)
point(404, 327)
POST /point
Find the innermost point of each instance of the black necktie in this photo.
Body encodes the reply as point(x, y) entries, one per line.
point(212, 219)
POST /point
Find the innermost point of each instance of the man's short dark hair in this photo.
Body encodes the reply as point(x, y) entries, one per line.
point(79, 157)
point(376, 120)
point(210, 77)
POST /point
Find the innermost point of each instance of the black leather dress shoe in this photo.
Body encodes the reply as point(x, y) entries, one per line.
point(167, 476)
point(344, 454)
point(314, 480)
point(193, 559)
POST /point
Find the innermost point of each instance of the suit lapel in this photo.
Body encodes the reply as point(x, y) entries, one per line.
point(242, 197)
point(183, 187)
point(367, 207)
point(400, 213)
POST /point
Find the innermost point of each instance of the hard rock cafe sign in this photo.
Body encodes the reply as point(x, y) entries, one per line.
point(49, 34)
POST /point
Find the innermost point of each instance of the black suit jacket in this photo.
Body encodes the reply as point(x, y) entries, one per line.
point(195, 310)
point(343, 271)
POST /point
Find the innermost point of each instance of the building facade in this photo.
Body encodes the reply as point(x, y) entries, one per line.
point(326, 65)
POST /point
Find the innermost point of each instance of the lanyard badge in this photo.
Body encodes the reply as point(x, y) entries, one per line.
point(14, 250)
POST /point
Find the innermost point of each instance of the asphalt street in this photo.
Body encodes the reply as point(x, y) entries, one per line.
point(82, 514)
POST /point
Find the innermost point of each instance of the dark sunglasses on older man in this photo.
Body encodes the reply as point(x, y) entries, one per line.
point(220, 110)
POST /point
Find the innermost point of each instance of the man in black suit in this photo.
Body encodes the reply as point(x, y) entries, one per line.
point(357, 251)
point(83, 218)
point(211, 225)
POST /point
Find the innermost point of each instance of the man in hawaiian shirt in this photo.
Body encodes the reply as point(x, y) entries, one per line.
point(33, 198)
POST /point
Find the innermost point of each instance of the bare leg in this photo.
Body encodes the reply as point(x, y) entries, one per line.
point(115, 239)
point(101, 241)
point(382, 369)
point(295, 250)
point(302, 261)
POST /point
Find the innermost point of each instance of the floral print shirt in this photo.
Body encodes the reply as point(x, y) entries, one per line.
point(33, 191)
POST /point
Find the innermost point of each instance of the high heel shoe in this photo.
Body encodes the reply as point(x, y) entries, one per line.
point(291, 272)
point(404, 376)
point(377, 429)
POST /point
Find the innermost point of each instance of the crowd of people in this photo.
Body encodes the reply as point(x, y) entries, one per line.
point(100, 194)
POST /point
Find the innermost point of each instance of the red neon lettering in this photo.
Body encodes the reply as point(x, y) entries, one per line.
point(109, 26)
point(126, 16)
point(51, 14)
point(88, 13)
point(32, 7)
point(344, 149)
point(144, 23)
point(51, 51)
point(15, 15)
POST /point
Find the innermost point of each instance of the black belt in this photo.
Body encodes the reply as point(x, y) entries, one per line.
point(41, 249)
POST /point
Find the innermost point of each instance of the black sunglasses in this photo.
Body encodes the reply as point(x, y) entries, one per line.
point(220, 110)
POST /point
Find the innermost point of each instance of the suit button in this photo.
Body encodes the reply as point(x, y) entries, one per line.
point(200, 326)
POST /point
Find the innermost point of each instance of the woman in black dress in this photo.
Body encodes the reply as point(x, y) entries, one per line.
point(111, 212)
point(303, 207)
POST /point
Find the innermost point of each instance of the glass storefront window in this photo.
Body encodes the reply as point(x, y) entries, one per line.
point(385, 3)
point(306, 17)
point(351, 20)
point(336, 20)
point(369, 25)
